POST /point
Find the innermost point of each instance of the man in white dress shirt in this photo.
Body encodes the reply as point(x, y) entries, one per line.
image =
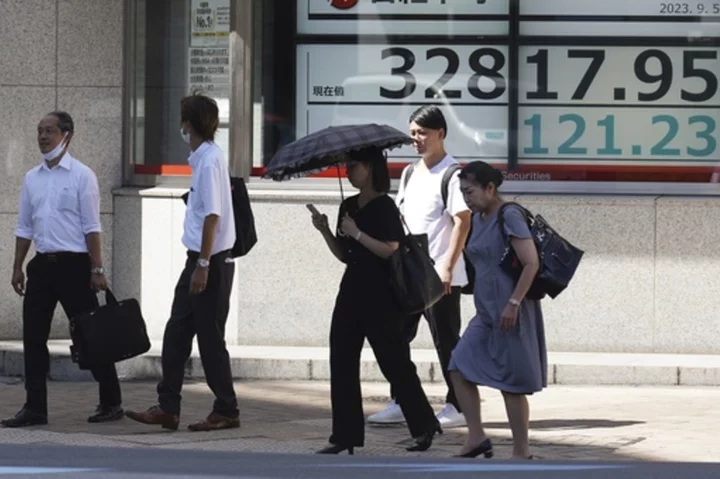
point(446, 221)
point(202, 294)
point(60, 212)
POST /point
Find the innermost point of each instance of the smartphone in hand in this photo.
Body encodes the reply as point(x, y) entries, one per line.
point(313, 210)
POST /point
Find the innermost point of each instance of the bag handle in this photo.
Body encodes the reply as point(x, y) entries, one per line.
point(110, 297)
point(501, 218)
point(402, 219)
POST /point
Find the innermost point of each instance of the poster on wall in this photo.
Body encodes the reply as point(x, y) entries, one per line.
point(209, 23)
point(644, 18)
point(386, 83)
point(209, 52)
point(619, 105)
point(403, 17)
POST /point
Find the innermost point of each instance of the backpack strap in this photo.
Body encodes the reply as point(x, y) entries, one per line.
point(446, 179)
point(408, 173)
point(444, 185)
point(406, 178)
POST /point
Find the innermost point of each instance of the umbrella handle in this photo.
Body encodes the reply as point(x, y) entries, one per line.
point(342, 194)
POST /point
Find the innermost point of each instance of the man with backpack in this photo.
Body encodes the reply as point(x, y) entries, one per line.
point(431, 203)
point(202, 295)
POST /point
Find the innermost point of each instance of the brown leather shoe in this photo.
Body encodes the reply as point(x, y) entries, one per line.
point(215, 422)
point(155, 415)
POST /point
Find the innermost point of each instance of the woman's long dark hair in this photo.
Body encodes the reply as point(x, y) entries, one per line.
point(376, 161)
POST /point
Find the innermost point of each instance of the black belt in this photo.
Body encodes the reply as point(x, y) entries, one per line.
point(194, 255)
point(58, 255)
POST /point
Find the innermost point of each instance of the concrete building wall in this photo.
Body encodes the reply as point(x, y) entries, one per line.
point(648, 282)
point(67, 55)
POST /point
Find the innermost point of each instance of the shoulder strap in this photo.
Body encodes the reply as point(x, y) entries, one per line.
point(406, 178)
point(408, 173)
point(445, 185)
point(501, 215)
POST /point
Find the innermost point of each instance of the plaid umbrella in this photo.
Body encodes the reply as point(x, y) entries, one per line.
point(328, 147)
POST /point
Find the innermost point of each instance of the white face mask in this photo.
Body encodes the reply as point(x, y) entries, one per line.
point(185, 136)
point(51, 155)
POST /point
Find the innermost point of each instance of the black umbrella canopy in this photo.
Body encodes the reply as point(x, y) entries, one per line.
point(328, 147)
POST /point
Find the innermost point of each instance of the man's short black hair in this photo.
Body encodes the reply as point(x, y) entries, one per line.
point(430, 117)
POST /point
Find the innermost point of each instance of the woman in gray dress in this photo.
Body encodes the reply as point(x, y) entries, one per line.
point(503, 347)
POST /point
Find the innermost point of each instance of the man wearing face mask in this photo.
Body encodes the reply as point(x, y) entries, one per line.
point(60, 212)
point(202, 294)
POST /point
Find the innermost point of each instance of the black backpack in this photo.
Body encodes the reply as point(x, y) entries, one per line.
point(245, 235)
point(444, 186)
point(558, 258)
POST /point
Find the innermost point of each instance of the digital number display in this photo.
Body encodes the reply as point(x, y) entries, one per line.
point(486, 78)
point(650, 75)
point(574, 106)
point(581, 133)
point(618, 86)
point(386, 83)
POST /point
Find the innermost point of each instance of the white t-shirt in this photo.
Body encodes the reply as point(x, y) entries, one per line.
point(421, 204)
point(210, 194)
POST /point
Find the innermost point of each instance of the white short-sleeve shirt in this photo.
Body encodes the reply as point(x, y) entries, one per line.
point(59, 206)
point(210, 194)
point(422, 207)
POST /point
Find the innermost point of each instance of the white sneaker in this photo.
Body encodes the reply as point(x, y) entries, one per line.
point(449, 417)
point(392, 414)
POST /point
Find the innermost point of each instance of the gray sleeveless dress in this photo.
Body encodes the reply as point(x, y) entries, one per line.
point(511, 361)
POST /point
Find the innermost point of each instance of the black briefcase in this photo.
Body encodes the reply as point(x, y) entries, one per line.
point(112, 333)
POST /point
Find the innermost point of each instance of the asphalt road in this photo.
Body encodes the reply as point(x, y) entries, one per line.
point(90, 463)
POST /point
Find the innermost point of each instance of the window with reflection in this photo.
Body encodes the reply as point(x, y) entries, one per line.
point(180, 47)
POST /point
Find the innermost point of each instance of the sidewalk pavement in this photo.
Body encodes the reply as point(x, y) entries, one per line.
point(568, 422)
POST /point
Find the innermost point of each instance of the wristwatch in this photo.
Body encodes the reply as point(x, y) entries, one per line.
point(203, 263)
point(514, 302)
point(98, 271)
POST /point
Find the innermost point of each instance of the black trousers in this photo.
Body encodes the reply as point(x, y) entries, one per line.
point(354, 319)
point(204, 315)
point(444, 321)
point(53, 278)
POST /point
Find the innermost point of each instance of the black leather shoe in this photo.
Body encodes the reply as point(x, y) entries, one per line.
point(25, 418)
point(336, 449)
point(485, 448)
point(424, 442)
point(107, 414)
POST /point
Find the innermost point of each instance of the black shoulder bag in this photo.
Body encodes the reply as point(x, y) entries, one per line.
point(469, 288)
point(413, 278)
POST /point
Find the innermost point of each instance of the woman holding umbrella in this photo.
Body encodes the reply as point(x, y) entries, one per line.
point(369, 232)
